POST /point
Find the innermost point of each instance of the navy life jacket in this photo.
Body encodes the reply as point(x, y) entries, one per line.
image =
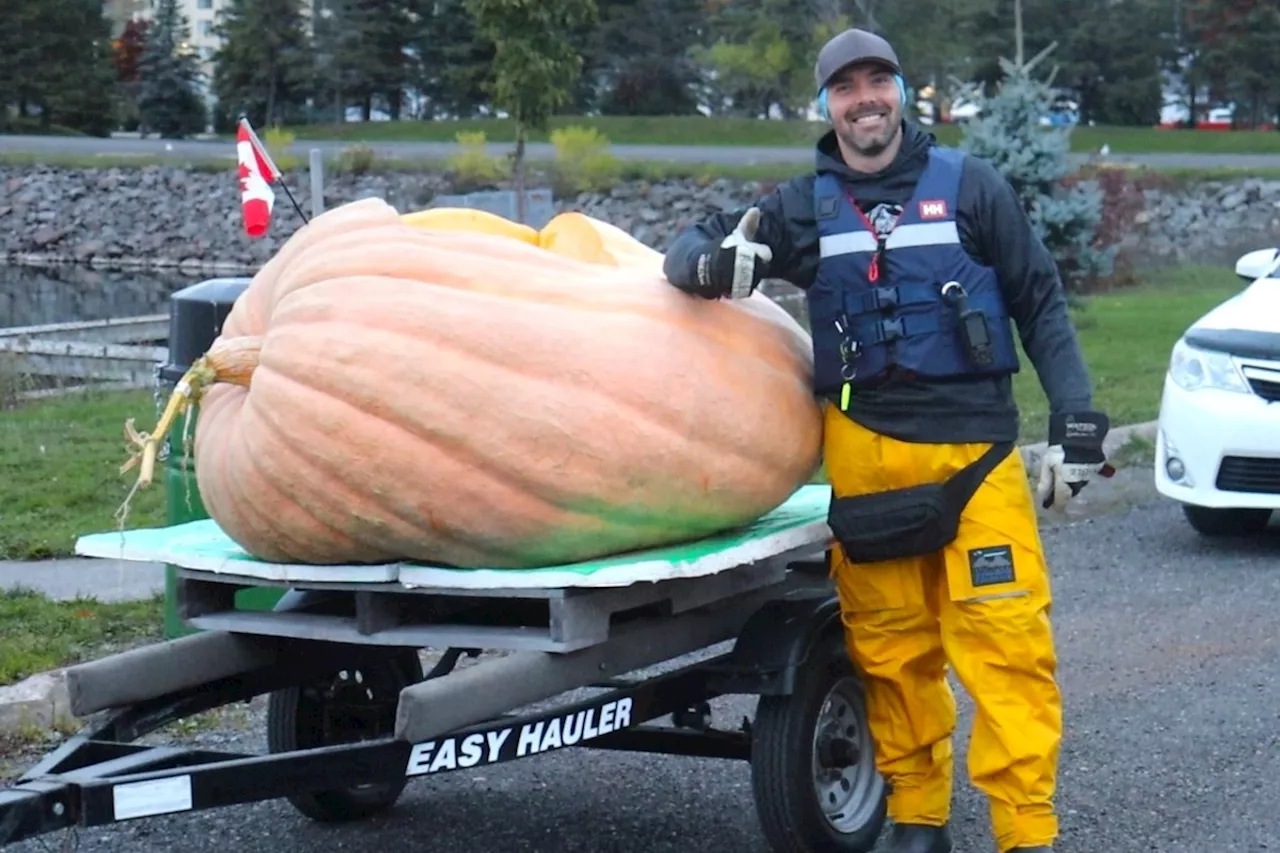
point(875, 307)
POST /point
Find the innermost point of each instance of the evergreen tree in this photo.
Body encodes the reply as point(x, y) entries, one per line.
point(454, 61)
point(264, 69)
point(55, 62)
point(1033, 159)
point(169, 92)
point(638, 58)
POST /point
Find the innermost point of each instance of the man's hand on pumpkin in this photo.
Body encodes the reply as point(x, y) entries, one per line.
point(735, 267)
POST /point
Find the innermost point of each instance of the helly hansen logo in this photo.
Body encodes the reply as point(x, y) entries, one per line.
point(933, 209)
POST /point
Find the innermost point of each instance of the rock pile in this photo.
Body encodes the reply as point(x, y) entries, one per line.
point(170, 217)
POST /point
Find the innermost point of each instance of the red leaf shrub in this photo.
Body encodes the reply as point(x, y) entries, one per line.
point(1123, 198)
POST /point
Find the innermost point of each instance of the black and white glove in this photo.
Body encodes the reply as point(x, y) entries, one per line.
point(735, 267)
point(1073, 457)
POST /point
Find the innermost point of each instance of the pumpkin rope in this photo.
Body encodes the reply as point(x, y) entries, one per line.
point(231, 361)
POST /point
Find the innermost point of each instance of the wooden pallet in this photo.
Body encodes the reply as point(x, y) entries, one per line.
point(554, 620)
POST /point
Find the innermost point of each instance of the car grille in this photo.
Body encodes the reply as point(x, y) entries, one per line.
point(1265, 389)
point(1264, 379)
point(1249, 474)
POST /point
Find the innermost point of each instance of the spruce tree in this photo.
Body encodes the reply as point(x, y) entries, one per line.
point(169, 98)
point(1034, 160)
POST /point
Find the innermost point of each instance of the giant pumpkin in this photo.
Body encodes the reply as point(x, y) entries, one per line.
point(442, 387)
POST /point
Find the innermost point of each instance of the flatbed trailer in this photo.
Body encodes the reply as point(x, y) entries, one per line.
point(352, 716)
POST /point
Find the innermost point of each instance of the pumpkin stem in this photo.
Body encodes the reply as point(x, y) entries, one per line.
point(230, 360)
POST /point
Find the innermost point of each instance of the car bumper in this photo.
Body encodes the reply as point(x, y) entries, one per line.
point(1227, 445)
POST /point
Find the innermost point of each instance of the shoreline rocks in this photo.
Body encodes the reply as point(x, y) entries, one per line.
point(168, 218)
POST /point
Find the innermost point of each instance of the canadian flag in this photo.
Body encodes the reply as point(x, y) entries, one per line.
point(257, 174)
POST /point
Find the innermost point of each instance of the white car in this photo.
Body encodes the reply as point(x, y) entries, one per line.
point(1218, 442)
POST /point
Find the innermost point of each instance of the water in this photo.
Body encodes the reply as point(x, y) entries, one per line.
point(32, 296)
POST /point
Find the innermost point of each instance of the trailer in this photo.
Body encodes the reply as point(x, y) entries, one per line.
point(353, 716)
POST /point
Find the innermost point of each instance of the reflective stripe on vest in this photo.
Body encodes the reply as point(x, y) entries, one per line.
point(902, 237)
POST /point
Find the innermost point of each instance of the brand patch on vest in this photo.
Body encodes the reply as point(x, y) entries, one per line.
point(827, 205)
point(936, 209)
point(992, 565)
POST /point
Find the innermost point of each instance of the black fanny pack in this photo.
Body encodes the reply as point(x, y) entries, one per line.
point(909, 522)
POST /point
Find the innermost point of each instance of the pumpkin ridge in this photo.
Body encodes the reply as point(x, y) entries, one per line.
point(771, 342)
point(268, 286)
point(499, 477)
point(608, 288)
point(338, 474)
point(319, 505)
point(703, 445)
point(244, 515)
point(257, 515)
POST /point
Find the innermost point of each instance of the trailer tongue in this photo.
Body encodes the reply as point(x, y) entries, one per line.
point(352, 716)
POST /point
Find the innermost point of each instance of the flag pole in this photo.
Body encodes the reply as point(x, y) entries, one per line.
point(283, 186)
point(277, 177)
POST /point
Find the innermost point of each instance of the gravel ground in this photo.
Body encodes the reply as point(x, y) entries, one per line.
point(1172, 679)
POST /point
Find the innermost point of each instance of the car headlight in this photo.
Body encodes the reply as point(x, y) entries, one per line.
point(1192, 368)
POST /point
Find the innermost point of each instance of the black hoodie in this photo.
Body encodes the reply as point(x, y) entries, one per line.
point(994, 229)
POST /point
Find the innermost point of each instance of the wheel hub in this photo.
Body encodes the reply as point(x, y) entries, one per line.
point(836, 752)
point(845, 782)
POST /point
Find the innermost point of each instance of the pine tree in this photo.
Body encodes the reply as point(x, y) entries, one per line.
point(1033, 159)
point(169, 99)
point(264, 69)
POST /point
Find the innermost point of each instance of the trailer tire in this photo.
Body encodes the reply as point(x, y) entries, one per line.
point(813, 763)
point(296, 720)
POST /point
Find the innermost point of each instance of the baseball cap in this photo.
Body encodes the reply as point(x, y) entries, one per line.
point(852, 46)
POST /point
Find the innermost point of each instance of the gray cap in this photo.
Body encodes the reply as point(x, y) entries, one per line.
point(849, 47)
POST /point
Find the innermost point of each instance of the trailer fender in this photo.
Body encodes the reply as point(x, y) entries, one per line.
point(776, 641)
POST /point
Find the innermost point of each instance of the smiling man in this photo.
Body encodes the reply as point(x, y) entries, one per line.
point(917, 261)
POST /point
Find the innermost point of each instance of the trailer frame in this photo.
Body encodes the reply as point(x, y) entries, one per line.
point(352, 721)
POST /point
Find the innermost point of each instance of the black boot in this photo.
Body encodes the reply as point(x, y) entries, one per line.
point(918, 838)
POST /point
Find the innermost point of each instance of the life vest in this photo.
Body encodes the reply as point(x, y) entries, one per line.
point(915, 300)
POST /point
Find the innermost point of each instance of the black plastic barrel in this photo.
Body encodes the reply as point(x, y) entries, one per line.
point(196, 315)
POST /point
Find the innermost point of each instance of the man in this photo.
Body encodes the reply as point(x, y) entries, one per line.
point(916, 260)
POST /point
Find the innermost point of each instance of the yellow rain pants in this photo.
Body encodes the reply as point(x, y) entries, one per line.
point(906, 620)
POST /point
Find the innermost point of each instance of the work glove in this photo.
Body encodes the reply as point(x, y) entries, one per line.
point(1074, 455)
point(735, 267)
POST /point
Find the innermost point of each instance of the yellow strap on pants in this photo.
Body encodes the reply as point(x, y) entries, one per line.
point(982, 606)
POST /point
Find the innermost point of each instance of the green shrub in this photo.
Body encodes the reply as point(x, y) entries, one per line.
point(583, 161)
point(472, 166)
point(277, 140)
point(356, 159)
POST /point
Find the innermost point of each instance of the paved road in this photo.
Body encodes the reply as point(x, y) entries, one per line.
point(1171, 669)
point(66, 579)
point(735, 155)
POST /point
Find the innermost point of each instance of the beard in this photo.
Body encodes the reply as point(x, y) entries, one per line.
point(870, 142)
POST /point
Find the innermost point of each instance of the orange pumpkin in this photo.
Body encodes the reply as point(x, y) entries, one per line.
point(443, 389)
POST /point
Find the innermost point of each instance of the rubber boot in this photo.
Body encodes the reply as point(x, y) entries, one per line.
point(919, 838)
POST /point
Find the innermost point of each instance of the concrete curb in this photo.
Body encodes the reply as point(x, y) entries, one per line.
point(40, 702)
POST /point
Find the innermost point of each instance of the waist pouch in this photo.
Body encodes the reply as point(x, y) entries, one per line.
point(909, 522)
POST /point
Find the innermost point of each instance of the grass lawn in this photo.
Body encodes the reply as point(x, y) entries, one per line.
point(59, 472)
point(41, 634)
point(700, 130)
point(1127, 337)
